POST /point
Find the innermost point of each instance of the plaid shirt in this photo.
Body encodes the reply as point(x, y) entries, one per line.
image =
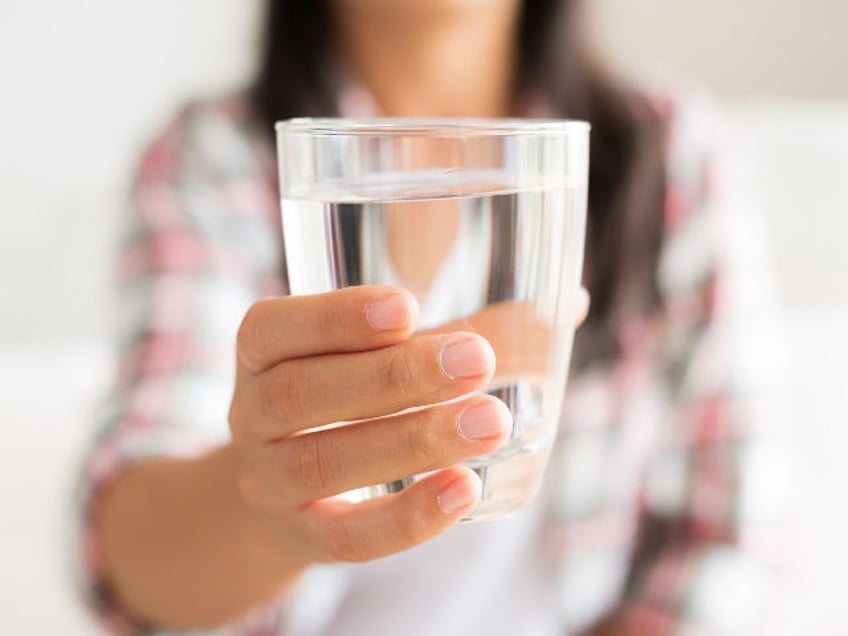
point(661, 495)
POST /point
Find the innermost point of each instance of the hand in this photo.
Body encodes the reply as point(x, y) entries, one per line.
point(350, 355)
point(197, 542)
point(520, 336)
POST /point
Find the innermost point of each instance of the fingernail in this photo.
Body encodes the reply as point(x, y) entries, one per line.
point(487, 420)
point(390, 313)
point(465, 357)
point(457, 495)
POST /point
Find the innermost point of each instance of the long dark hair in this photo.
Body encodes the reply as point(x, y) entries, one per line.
point(297, 77)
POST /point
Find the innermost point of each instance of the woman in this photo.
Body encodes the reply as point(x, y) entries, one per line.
point(194, 526)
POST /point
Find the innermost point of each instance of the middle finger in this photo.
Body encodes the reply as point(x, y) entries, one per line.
point(309, 392)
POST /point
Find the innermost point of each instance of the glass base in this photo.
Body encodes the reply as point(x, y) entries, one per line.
point(509, 484)
point(511, 478)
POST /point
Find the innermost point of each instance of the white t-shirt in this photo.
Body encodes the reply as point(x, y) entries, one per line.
point(505, 587)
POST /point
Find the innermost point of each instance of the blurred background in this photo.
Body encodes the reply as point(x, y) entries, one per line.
point(85, 83)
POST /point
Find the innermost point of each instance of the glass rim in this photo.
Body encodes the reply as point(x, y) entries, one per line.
point(430, 126)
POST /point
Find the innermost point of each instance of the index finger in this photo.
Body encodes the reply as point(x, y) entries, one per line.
point(344, 321)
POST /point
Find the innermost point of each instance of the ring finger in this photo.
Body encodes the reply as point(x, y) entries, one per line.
point(320, 464)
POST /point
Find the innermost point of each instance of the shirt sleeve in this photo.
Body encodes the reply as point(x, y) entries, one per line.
point(201, 244)
point(711, 533)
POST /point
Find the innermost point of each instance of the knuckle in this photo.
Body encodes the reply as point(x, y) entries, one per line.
point(311, 465)
point(284, 396)
point(249, 336)
point(250, 489)
point(421, 442)
point(235, 419)
point(344, 544)
point(401, 375)
point(410, 526)
point(332, 315)
point(242, 420)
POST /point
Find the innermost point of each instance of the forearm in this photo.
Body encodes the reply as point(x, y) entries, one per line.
point(182, 550)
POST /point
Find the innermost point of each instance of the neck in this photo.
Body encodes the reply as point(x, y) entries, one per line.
point(458, 64)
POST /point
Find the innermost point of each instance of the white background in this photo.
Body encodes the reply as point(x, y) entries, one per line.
point(83, 84)
point(741, 48)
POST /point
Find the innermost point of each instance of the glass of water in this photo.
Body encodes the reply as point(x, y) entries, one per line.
point(483, 221)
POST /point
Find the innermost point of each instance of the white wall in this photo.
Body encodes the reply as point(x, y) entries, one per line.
point(741, 48)
point(83, 83)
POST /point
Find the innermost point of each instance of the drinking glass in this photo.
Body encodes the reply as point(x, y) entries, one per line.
point(483, 221)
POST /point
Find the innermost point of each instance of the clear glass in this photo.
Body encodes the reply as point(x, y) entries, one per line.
point(483, 220)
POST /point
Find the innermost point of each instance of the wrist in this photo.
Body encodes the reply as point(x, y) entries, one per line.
point(261, 540)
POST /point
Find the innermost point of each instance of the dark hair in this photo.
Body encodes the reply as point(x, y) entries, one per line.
point(626, 184)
